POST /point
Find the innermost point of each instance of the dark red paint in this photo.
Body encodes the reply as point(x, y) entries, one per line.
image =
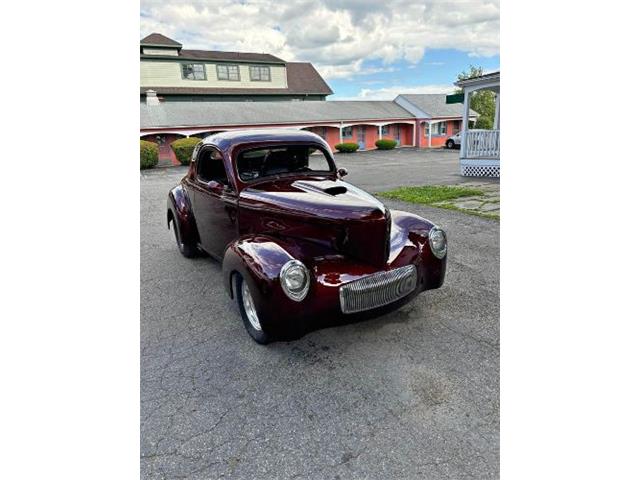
point(254, 228)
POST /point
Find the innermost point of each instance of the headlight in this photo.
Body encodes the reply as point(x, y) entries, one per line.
point(438, 242)
point(294, 278)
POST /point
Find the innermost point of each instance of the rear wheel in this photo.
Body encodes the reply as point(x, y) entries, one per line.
point(187, 250)
point(248, 311)
point(450, 144)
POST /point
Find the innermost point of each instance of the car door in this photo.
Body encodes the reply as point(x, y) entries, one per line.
point(215, 203)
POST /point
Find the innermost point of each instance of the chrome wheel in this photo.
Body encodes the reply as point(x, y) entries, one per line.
point(250, 308)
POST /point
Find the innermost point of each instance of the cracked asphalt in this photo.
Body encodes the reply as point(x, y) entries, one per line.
point(412, 394)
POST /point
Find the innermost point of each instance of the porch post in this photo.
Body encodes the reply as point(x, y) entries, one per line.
point(429, 125)
point(496, 117)
point(465, 124)
point(415, 130)
point(379, 132)
point(340, 129)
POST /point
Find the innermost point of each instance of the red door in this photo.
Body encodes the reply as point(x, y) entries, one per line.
point(164, 148)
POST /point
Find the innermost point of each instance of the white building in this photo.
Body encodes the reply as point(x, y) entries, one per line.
point(480, 149)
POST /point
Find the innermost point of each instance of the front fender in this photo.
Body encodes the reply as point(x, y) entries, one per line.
point(416, 229)
point(179, 207)
point(258, 258)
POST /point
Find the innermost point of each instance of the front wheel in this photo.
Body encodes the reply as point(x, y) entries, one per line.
point(248, 311)
point(450, 144)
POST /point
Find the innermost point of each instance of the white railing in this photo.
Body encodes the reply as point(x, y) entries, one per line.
point(482, 144)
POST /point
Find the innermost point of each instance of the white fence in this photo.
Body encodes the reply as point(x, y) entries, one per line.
point(482, 144)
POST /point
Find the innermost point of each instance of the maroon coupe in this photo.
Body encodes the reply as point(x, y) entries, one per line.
point(297, 243)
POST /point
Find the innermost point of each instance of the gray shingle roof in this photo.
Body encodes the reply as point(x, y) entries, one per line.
point(435, 105)
point(224, 56)
point(188, 114)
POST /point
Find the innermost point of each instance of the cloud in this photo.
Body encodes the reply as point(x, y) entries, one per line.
point(338, 37)
point(389, 93)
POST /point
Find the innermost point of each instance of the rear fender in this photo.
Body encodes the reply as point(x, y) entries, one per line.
point(179, 208)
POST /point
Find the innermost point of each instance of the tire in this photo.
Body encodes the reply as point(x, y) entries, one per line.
point(450, 144)
point(187, 250)
point(249, 318)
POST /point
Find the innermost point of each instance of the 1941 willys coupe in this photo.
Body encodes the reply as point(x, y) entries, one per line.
point(297, 243)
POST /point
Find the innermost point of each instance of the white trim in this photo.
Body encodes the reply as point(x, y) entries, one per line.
point(465, 123)
point(410, 107)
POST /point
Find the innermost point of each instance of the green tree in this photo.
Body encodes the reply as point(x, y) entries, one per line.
point(483, 101)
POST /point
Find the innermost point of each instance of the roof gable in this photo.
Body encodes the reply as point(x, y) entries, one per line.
point(434, 105)
point(304, 78)
point(159, 40)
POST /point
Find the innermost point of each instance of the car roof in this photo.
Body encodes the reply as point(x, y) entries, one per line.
point(232, 138)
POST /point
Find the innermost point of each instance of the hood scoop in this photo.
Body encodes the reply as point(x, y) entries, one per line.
point(335, 190)
point(327, 187)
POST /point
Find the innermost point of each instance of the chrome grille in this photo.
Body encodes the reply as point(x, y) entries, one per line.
point(378, 289)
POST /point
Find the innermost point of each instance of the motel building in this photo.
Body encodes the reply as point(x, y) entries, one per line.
point(186, 93)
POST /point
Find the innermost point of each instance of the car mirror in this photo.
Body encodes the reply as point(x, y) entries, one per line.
point(214, 185)
point(342, 172)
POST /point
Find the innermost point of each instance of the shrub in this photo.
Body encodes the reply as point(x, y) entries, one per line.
point(183, 148)
point(347, 147)
point(385, 144)
point(148, 154)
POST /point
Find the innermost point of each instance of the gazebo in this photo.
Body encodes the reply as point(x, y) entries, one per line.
point(480, 149)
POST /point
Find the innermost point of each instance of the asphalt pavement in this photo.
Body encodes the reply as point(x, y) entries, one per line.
point(412, 394)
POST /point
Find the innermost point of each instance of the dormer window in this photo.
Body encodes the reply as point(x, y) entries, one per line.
point(259, 73)
point(193, 71)
point(228, 72)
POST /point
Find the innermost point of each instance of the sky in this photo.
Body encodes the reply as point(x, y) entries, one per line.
point(364, 49)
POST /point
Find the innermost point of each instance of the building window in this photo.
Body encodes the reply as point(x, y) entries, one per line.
point(228, 72)
point(347, 132)
point(439, 128)
point(385, 130)
point(259, 73)
point(193, 71)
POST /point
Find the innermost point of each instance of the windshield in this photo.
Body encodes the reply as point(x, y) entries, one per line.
point(281, 160)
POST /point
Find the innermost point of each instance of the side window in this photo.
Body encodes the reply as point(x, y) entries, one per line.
point(211, 166)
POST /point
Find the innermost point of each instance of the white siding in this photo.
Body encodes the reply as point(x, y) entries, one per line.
point(168, 74)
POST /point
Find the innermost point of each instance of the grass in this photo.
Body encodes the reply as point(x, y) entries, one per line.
point(440, 196)
point(430, 194)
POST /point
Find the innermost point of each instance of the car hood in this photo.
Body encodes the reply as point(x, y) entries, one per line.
point(315, 197)
point(325, 210)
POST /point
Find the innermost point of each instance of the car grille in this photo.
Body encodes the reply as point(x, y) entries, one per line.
point(378, 289)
